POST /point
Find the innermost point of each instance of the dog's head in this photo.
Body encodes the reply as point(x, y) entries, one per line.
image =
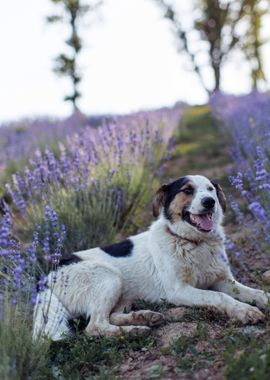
point(191, 204)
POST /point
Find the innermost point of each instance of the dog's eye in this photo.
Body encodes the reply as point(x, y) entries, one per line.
point(188, 190)
point(210, 188)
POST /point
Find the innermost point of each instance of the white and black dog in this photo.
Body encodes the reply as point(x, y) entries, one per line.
point(181, 259)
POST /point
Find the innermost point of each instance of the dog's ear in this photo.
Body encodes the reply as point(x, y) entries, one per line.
point(220, 195)
point(159, 200)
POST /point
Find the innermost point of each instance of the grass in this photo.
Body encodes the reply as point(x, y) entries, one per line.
point(20, 357)
point(248, 358)
point(199, 145)
point(196, 314)
point(158, 307)
point(244, 355)
point(88, 357)
point(185, 348)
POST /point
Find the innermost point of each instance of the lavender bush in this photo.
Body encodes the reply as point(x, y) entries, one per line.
point(101, 177)
point(247, 120)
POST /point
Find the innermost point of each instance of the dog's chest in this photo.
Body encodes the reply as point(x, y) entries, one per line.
point(201, 266)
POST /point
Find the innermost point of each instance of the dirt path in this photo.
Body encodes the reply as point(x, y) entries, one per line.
point(195, 343)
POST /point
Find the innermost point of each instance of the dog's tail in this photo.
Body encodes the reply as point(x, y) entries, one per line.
point(50, 317)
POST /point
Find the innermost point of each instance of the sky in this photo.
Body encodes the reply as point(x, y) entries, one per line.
point(130, 61)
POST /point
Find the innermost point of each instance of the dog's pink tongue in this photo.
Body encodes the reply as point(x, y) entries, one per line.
point(205, 222)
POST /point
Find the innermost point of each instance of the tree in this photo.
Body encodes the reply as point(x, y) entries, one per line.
point(66, 64)
point(253, 42)
point(217, 22)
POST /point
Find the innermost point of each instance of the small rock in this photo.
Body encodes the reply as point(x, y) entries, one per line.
point(175, 314)
point(266, 276)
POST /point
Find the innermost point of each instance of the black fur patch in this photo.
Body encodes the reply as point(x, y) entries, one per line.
point(73, 259)
point(171, 190)
point(78, 324)
point(122, 249)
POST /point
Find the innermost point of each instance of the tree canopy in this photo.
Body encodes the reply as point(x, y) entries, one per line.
point(225, 26)
point(66, 64)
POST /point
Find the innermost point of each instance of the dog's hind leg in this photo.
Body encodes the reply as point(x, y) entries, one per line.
point(140, 317)
point(102, 327)
point(50, 317)
point(107, 293)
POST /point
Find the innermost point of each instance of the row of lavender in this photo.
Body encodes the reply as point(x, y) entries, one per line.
point(247, 120)
point(20, 138)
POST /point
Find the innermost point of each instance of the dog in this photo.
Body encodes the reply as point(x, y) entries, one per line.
point(180, 259)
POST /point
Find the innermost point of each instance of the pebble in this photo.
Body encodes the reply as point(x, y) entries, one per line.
point(266, 276)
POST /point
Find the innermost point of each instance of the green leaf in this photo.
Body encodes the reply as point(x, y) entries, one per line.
point(54, 18)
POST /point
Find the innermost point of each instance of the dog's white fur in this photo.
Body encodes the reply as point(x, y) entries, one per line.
point(172, 261)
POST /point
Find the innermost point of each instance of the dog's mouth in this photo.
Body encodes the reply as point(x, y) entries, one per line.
point(203, 222)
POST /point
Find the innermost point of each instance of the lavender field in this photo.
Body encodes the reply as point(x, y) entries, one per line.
point(78, 186)
point(104, 103)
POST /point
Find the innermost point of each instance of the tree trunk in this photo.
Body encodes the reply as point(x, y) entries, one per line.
point(216, 68)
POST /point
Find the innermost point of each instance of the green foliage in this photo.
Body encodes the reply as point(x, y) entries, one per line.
point(247, 358)
point(94, 216)
point(204, 314)
point(66, 64)
point(20, 357)
point(199, 135)
point(160, 307)
point(183, 344)
point(252, 45)
point(83, 357)
point(183, 349)
point(90, 218)
point(78, 357)
point(11, 168)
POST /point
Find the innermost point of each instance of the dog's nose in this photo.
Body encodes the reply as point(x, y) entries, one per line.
point(208, 203)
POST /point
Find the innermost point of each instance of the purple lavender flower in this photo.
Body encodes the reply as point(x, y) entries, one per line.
point(19, 262)
point(247, 120)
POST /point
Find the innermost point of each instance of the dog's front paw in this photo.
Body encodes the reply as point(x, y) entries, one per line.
point(262, 299)
point(247, 314)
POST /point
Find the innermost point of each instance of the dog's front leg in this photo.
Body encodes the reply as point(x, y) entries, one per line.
point(243, 293)
point(188, 296)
